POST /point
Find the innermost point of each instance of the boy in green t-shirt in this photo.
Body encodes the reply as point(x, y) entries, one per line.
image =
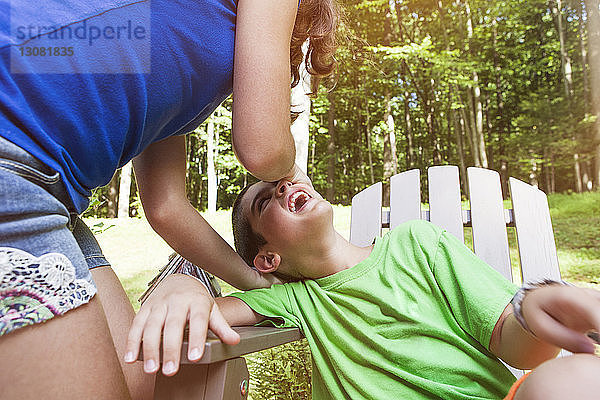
point(414, 316)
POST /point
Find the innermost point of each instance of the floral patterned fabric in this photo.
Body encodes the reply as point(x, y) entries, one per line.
point(35, 289)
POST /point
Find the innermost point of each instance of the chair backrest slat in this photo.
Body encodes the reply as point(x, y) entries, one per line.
point(405, 191)
point(537, 250)
point(444, 199)
point(490, 240)
point(365, 218)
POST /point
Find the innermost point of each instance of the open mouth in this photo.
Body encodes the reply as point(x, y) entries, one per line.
point(298, 200)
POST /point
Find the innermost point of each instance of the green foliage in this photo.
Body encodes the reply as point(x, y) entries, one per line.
point(418, 63)
point(281, 373)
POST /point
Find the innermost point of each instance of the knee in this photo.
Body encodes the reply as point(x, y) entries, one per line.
point(572, 377)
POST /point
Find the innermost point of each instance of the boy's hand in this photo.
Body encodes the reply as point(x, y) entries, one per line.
point(177, 300)
point(561, 315)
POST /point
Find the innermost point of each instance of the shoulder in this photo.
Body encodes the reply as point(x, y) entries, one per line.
point(417, 230)
point(417, 238)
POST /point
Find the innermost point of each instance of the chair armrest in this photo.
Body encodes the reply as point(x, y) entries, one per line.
point(253, 339)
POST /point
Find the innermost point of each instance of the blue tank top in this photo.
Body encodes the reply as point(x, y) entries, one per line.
point(112, 78)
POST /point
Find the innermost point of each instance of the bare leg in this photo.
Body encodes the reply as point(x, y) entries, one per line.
point(572, 377)
point(119, 314)
point(68, 357)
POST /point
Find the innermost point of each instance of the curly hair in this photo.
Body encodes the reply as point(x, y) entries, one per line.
point(316, 21)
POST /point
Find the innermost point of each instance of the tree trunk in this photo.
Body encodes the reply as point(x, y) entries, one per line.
point(585, 176)
point(410, 151)
point(195, 174)
point(368, 139)
point(556, 7)
point(478, 138)
point(489, 128)
point(210, 167)
point(533, 173)
point(389, 143)
point(502, 125)
point(478, 113)
point(471, 128)
point(584, 57)
point(547, 171)
point(330, 192)
point(458, 134)
point(124, 191)
point(113, 192)
point(593, 23)
point(390, 161)
point(432, 128)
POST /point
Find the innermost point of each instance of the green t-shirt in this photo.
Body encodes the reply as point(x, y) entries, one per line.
point(412, 321)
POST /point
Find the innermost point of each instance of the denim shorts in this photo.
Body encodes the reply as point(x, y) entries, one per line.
point(46, 251)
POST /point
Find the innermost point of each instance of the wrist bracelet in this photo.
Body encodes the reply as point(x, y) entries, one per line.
point(517, 300)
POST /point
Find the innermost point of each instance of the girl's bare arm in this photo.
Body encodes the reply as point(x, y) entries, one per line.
point(262, 139)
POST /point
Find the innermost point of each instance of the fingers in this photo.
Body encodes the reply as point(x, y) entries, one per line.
point(199, 324)
point(552, 331)
point(151, 338)
point(562, 315)
point(199, 315)
point(172, 339)
point(134, 339)
point(221, 328)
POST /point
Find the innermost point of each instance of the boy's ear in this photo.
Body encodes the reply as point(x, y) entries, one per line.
point(267, 261)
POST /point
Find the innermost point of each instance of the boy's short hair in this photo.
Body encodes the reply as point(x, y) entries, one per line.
point(247, 242)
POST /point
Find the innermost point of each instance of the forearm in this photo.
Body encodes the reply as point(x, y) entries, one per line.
point(267, 163)
point(188, 233)
point(237, 312)
point(261, 134)
point(521, 349)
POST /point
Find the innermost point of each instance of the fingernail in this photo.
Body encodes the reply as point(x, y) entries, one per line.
point(129, 357)
point(149, 365)
point(169, 367)
point(194, 354)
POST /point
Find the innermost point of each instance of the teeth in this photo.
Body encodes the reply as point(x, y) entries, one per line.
point(293, 198)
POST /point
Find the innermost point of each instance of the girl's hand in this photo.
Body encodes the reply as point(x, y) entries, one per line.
point(177, 300)
point(561, 315)
point(264, 280)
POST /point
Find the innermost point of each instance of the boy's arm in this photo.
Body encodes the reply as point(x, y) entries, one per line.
point(558, 317)
point(237, 312)
point(517, 347)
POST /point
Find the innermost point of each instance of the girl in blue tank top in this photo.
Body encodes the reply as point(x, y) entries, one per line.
point(85, 87)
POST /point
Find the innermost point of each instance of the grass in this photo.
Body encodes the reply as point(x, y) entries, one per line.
point(576, 221)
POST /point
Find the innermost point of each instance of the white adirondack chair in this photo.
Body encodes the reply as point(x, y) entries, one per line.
point(222, 373)
point(530, 215)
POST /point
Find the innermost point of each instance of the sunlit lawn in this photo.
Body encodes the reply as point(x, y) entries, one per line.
point(137, 253)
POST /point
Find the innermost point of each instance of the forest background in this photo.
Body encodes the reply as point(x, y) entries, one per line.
point(511, 85)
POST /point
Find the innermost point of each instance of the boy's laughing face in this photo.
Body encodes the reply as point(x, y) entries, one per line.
point(290, 216)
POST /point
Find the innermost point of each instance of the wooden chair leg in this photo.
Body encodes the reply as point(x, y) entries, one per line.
point(225, 380)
